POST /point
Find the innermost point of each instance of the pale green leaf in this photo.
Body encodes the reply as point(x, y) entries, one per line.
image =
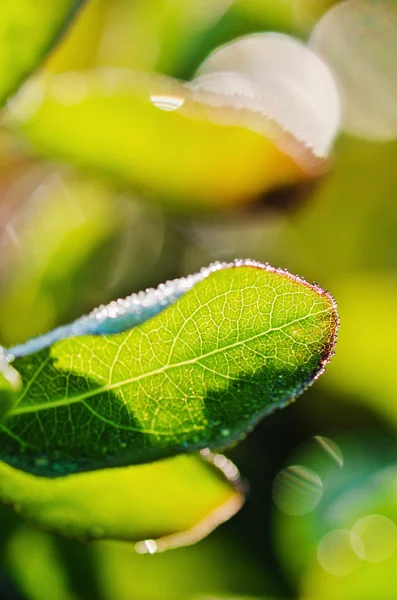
point(156, 135)
point(244, 340)
point(175, 501)
point(365, 364)
point(28, 31)
point(214, 567)
point(43, 576)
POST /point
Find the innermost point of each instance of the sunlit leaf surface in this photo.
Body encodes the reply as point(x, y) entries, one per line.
point(244, 340)
point(28, 31)
point(175, 501)
point(159, 137)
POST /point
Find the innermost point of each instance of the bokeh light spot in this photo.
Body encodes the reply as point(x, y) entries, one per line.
point(297, 490)
point(283, 80)
point(378, 534)
point(336, 554)
point(331, 448)
point(358, 39)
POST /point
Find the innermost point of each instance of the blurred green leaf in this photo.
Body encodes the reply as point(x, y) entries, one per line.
point(28, 31)
point(292, 16)
point(215, 566)
point(69, 244)
point(178, 500)
point(60, 224)
point(43, 576)
point(247, 339)
point(150, 133)
point(232, 598)
point(151, 35)
point(367, 372)
point(79, 48)
point(354, 206)
point(146, 36)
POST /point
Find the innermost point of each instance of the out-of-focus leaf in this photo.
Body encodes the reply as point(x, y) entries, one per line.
point(215, 566)
point(178, 500)
point(294, 16)
point(79, 48)
point(28, 32)
point(55, 231)
point(365, 365)
point(155, 135)
point(147, 36)
point(233, 598)
point(35, 565)
point(348, 543)
point(69, 244)
point(151, 36)
point(244, 340)
point(355, 206)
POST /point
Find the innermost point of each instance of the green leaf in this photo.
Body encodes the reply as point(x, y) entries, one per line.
point(223, 567)
point(244, 340)
point(121, 124)
point(43, 577)
point(178, 500)
point(28, 31)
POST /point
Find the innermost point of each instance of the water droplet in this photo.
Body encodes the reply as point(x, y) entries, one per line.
point(167, 102)
point(146, 547)
point(297, 490)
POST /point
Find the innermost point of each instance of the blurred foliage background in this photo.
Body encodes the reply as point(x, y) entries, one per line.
point(107, 196)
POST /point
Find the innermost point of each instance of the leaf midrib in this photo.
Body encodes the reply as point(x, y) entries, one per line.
point(109, 387)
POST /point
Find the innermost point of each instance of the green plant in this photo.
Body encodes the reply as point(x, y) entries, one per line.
point(123, 433)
